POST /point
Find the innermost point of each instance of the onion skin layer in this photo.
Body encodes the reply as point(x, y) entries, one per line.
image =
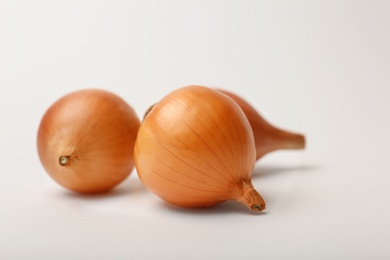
point(195, 148)
point(268, 138)
point(86, 140)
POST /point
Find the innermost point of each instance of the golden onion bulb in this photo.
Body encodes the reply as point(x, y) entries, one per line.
point(195, 148)
point(86, 140)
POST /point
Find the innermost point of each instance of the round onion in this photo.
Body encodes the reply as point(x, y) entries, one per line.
point(195, 148)
point(86, 140)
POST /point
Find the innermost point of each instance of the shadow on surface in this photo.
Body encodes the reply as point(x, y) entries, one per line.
point(268, 170)
point(127, 187)
point(115, 192)
point(226, 207)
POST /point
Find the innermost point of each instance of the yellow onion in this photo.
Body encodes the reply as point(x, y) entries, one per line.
point(195, 148)
point(86, 140)
point(268, 138)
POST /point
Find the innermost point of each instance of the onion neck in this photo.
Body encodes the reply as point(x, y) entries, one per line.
point(250, 197)
point(277, 139)
point(148, 111)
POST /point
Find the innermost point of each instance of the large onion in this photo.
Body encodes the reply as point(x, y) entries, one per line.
point(86, 140)
point(195, 148)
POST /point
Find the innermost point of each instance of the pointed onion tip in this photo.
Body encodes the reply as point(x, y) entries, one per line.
point(257, 207)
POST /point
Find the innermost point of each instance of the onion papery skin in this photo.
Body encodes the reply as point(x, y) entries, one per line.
point(268, 138)
point(195, 148)
point(86, 140)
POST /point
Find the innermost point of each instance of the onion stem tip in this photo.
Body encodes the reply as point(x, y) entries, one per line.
point(64, 160)
point(257, 207)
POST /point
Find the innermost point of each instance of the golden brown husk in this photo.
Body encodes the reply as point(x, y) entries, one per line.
point(195, 148)
point(86, 140)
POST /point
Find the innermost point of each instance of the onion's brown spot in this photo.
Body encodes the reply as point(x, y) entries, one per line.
point(256, 207)
point(64, 160)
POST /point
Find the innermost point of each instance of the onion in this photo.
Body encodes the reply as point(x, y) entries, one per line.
point(86, 140)
point(195, 148)
point(268, 138)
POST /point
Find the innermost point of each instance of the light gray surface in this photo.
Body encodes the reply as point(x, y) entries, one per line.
point(317, 67)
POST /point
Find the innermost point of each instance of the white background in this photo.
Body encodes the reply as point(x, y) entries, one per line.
point(317, 67)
